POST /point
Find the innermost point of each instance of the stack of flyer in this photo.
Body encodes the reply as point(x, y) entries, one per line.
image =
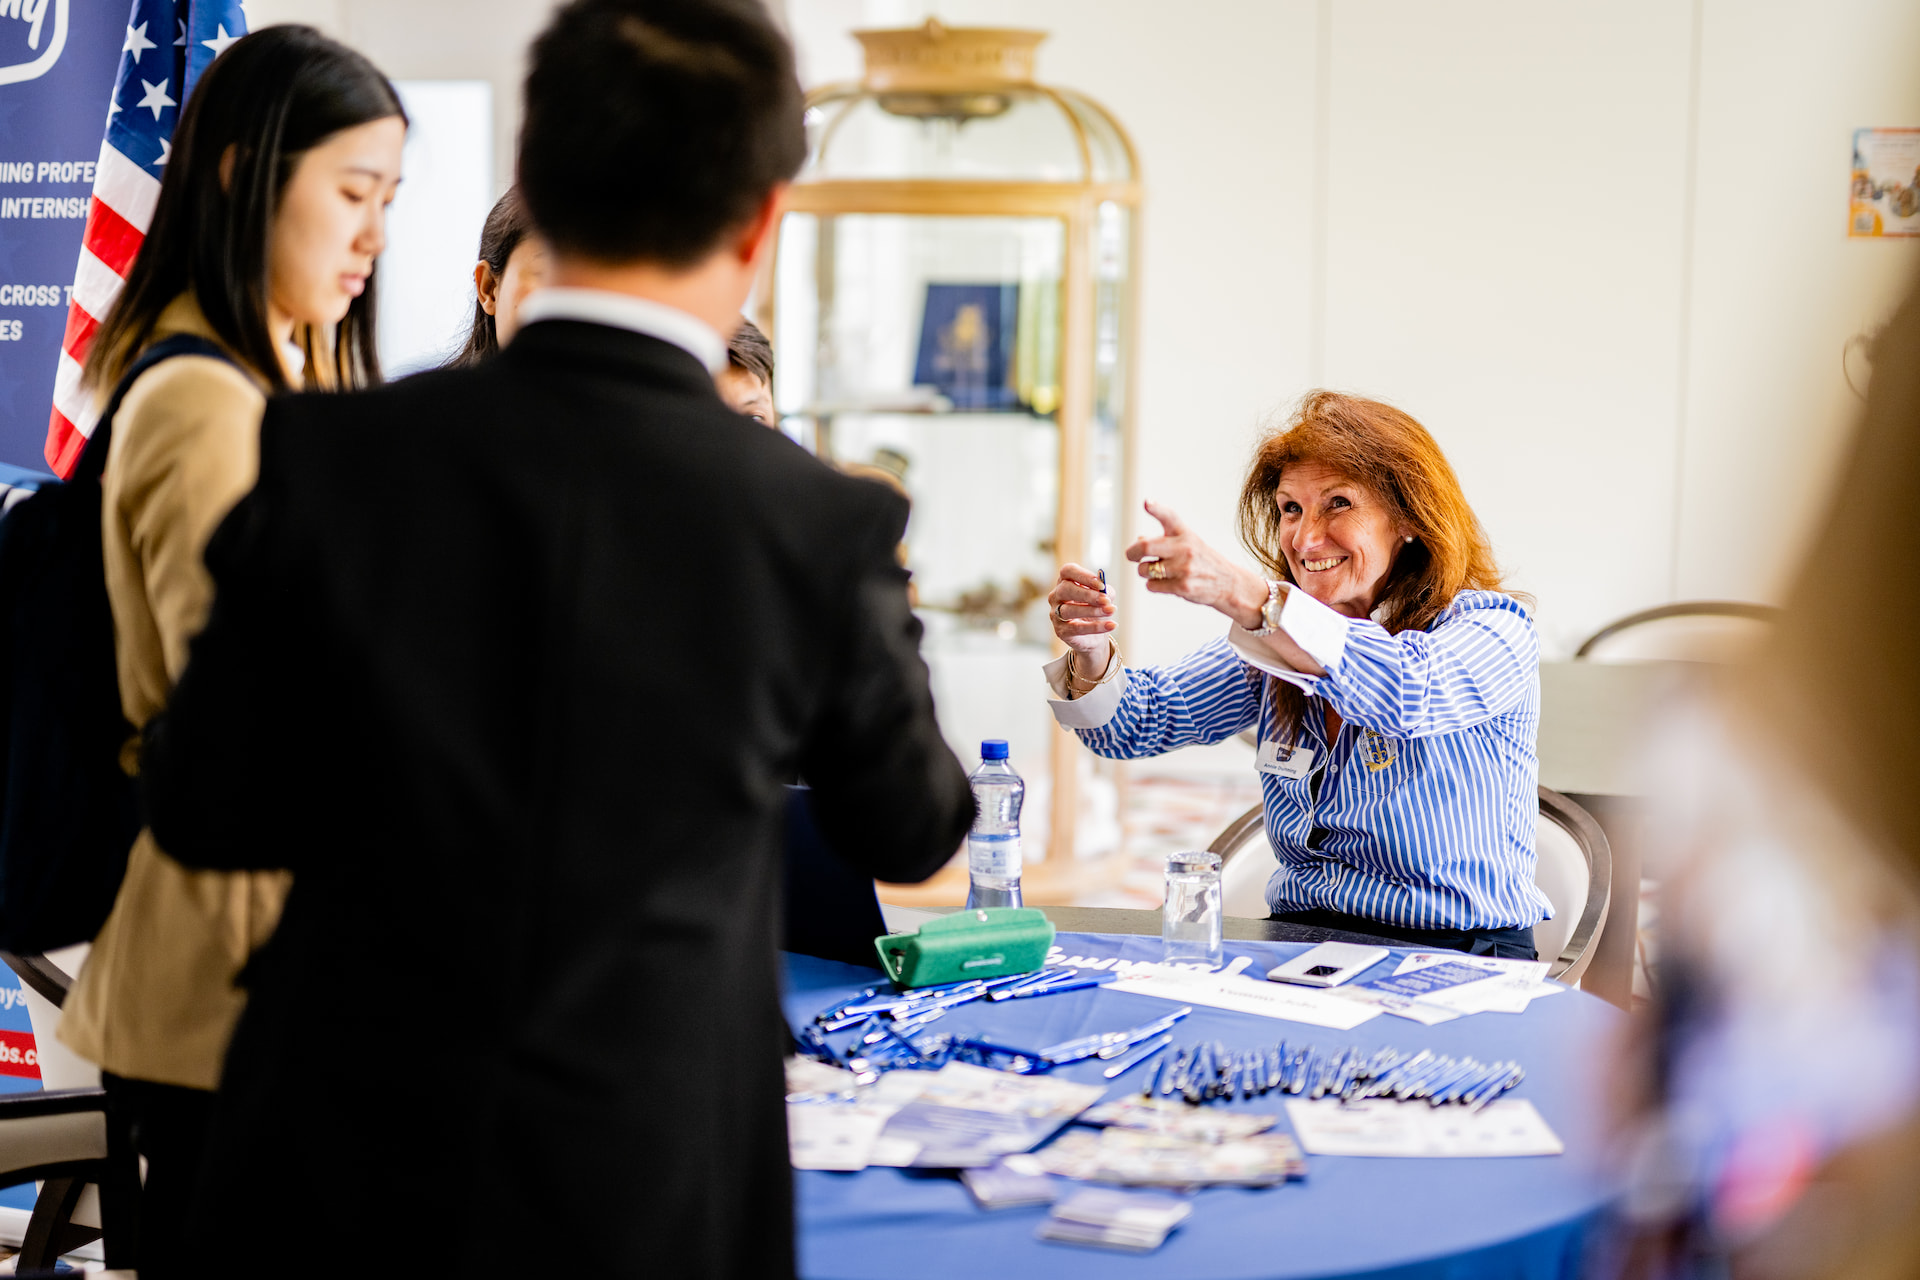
point(1133, 1221)
point(959, 1117)
point(1430, 987)
point(1153, 1143)
point(1135, 1157)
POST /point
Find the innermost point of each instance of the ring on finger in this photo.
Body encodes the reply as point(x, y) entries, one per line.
point(1057, 615)
point(1158, 569)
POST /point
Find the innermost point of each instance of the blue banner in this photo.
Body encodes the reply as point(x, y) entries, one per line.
point(57, 62)
point(19, 1064)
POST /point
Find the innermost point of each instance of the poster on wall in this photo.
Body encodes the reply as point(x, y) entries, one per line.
point(1886, 183)
point(57, 61)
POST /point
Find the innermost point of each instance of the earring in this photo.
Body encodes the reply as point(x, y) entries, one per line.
point(1408, 538)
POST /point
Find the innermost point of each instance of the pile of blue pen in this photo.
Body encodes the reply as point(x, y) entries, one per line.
point(1210, 1072)
point(886, 1022)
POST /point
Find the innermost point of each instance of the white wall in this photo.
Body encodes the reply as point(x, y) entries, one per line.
point(434, 40)
point(433, 227)
point(1597, 247)
point(1777, 287)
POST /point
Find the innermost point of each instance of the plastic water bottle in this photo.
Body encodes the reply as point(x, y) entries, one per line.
point(993, 846)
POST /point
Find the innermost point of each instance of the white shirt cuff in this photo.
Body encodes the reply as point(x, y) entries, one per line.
point(1261, 658)
point(1090, 710)
point(1314, 627)
point(1308, 623)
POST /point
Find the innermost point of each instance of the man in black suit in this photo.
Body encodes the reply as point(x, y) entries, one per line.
point(509, 665)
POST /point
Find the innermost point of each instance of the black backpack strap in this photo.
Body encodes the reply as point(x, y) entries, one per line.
point(93, 457)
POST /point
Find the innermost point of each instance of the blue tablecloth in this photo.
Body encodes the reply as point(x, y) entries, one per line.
point(1480, 1218)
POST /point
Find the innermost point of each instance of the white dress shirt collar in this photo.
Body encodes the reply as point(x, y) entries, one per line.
point(624, 311)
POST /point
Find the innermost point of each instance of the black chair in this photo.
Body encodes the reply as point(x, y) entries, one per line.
point(830, 909)
point(67, 1139)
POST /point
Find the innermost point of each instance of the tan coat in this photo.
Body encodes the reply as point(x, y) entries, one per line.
point(156, 999)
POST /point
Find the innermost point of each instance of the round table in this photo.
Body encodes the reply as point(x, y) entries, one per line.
point(1482, 1218)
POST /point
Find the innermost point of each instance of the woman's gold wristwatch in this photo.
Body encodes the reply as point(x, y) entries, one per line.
point(1270, 611)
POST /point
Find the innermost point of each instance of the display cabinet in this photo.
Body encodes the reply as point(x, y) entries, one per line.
point(952, 302)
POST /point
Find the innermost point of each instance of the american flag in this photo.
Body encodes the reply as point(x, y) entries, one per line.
point(169, 43)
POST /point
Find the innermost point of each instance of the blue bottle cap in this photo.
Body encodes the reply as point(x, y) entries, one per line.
point(993, 749)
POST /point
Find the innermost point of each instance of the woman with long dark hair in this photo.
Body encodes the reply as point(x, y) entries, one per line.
point(512, 264)
point(259, 261)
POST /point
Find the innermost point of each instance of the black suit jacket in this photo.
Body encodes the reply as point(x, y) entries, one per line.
point(509, 666)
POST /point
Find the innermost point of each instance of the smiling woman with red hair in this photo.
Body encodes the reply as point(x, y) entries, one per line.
point(1394, 684)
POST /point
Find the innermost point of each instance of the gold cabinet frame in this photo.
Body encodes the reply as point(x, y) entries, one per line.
point(934, 70)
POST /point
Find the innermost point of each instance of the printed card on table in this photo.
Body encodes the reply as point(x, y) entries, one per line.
point(1384, 1127)
point(1248, 995)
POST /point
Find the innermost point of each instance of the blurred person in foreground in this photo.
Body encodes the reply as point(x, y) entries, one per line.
point(1394, 682)
point(516, 707)
point(1777, 1107)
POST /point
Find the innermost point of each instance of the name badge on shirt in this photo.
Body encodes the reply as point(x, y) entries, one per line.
point(1285, 762)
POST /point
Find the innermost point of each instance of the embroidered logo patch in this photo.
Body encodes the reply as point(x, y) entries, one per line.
point(1376, 751)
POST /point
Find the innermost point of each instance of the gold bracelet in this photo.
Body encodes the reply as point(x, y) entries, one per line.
point(1112, 670)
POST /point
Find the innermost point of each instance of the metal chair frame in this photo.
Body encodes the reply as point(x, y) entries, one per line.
point(1683, 609)
point(51, 1231)
point(1573, 960)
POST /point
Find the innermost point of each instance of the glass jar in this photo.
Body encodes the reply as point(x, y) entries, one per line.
point(1190, 917)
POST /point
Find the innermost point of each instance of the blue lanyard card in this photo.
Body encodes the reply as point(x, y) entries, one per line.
point(1420, 982)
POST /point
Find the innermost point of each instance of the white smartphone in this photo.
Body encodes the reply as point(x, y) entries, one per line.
point(1328, 965)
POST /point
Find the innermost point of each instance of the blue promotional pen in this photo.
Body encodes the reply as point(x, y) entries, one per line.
point(1088, 1046)
point(1438, 1086)
point(904, 1046)
point(1174, 1078)
point(1040, 979)
point(951, 999)
point(1471, 1074)
point(1054, 989)
point(923, 995)
point(1158, 1074)
point(1151, 1049)
point(993, 1046)
point(1193, 1086)
point(1127, 1039)
point(931, 998)
point(833, 1011)
point(1511, 1077)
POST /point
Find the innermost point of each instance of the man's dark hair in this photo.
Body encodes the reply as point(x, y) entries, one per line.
point(655, 127)
point(268, 100)
point(750, 352)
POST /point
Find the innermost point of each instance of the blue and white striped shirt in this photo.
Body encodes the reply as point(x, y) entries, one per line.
point(1422, 813)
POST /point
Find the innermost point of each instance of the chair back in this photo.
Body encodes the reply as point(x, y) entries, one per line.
point(1574, 869)
point(1246, 864)
point(1691, 631)
point(85, 1147)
